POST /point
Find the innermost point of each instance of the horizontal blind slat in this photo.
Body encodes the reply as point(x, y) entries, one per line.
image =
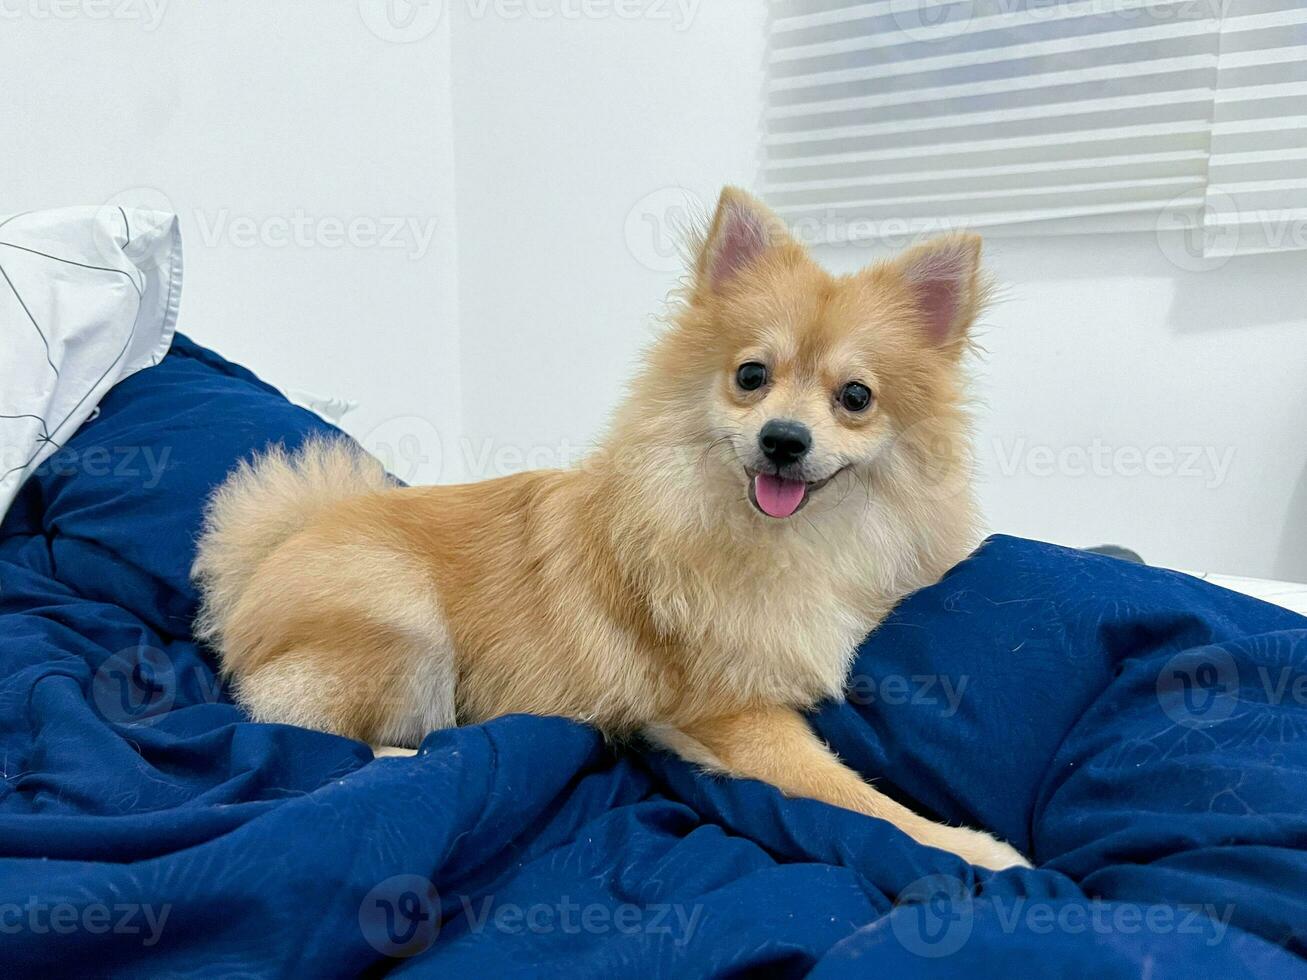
point(1180, 134)
point(1183, 31)
point(1019, 111)
point(909, 30)
point(856, 226)
point(1256, 199)
point(1178, 100)
point(1162, 188)
point(1190, 162)
point(1077, 77)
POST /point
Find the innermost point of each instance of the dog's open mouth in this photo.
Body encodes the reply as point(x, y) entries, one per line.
point(779, 496)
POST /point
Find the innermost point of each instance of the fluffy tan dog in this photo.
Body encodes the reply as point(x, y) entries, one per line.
point(788, 465)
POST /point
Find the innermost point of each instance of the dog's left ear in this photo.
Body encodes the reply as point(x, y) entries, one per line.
point(946, 284)
point(743, 230)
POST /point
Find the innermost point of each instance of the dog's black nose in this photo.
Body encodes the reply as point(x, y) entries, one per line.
point(784, 441)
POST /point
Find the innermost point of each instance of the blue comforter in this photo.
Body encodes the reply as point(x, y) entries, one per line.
point(1143, 735)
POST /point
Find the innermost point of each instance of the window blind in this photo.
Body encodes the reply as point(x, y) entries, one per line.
point(1256, 198)
point(904, 116)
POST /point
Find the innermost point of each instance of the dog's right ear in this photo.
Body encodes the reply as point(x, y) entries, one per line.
point(742, 231)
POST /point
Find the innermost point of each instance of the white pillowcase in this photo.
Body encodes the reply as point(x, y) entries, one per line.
point(88, 296)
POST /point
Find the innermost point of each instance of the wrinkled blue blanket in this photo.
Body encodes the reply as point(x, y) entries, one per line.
point(1141, 734)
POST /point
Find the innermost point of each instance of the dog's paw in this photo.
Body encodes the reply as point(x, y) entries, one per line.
point(996, 855)
point(390, 751)
point(977, 847)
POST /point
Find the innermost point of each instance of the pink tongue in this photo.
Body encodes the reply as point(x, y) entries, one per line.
point(777, 496)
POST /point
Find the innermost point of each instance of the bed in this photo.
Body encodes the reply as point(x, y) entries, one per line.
point(1140, 733)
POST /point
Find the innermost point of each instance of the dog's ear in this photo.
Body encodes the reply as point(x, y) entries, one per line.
point(741, 232)
point(945, 280)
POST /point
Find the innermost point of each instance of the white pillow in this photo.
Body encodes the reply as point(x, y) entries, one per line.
point(88, 296)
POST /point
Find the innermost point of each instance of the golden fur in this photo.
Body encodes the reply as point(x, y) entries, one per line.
point(641, 592)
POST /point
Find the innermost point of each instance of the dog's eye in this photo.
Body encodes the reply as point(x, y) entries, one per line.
point(751, 375)
point(855, 396)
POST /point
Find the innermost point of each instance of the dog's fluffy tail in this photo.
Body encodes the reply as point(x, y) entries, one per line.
point(263, 503)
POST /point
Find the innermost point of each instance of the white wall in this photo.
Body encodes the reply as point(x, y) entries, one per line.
point(554, 154)
point(1120, 399)
point(563, 128)
point(248, 118)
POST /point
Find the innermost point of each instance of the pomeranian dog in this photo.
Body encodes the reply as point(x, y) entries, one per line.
point(791, 461)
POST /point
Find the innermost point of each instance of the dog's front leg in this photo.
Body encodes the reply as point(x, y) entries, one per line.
point(776, 745)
